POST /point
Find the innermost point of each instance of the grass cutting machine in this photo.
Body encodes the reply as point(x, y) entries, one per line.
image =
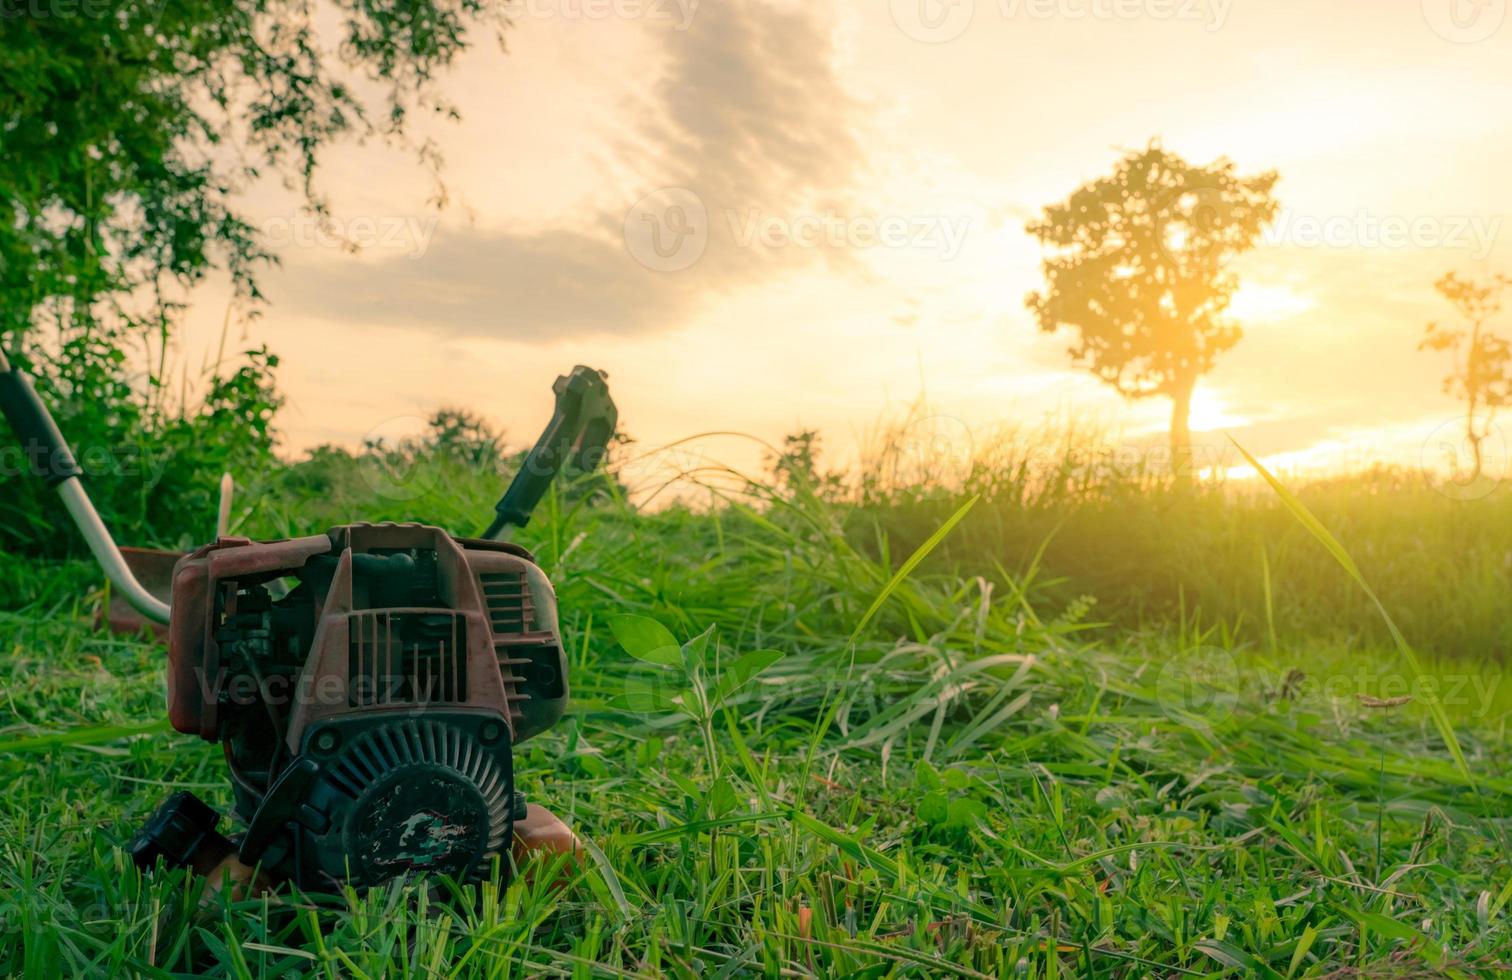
point(368, 685)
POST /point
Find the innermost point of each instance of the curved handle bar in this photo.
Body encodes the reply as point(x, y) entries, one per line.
point(51, 460)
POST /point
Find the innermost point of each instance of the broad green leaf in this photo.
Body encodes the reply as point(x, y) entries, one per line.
point(934, 808)
point(926, 776)
point(743, 671)
point(963, 812)
point(646, 639)
point(696, 650)
point(609, 878)
point(722, 798)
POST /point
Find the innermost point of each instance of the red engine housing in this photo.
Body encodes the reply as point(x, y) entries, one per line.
point(502, 650)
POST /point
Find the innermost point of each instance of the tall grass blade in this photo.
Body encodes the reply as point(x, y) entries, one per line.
point(913, 561)
point(1429, 696)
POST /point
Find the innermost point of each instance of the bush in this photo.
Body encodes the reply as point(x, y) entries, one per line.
point(152, 467)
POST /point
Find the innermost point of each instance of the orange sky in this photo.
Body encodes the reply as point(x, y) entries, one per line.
point(854, 181)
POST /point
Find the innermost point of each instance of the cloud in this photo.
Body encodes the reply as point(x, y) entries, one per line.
point(747, 119)
point(754, 113)
point(527, 287)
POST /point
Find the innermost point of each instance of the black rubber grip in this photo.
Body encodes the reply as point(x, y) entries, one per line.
point(580, 429)
point(46, 452)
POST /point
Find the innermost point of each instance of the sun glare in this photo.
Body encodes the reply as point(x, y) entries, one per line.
point(1263, 303)
point(1209, 413)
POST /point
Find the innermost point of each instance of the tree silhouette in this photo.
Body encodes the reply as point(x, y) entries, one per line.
point(1482, 371)
point(1136, 267)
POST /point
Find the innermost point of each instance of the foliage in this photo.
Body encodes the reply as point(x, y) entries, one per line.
point(152, 468)
point(796, 465)
point(686, 678)
point(1137, 268)
point(126, 131)
point(1482, 372)
point(129, 127)
point(461, 433)
point(451, 472)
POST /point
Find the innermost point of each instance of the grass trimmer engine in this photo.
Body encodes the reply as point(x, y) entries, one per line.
point(368, 714)
point(368, 685)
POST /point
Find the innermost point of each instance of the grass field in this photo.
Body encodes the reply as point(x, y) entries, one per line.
point(956, 766)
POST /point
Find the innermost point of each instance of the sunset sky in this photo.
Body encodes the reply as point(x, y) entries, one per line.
point(905, 144)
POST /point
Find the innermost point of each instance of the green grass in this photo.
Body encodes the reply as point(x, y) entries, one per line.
point(1148, 554)
point(953, 768)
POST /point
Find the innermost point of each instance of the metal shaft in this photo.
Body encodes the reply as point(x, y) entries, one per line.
point(54, 463)
point(107, 554)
